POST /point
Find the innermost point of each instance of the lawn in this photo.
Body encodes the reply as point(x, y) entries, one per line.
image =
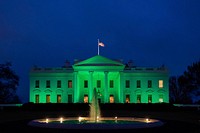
point(176, 121)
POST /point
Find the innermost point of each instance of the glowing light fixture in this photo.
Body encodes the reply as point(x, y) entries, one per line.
point(47, 120)
point(79, 119)
point(115, 118)
point(147, 120)
point(61, 120)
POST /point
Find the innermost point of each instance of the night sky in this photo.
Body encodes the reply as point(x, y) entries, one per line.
point(48, 32)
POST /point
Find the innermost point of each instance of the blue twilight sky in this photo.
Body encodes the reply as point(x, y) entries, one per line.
point(47, 32)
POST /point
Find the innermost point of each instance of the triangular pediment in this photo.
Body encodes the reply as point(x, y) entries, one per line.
point(98, 61)
point(48, 91)
point(59, 91)
point(149, 91)
point(161, 91)
point(36, 91)
point(138, 91)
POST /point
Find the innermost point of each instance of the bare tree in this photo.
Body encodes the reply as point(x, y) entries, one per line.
point(186, 88)
point(8, 83)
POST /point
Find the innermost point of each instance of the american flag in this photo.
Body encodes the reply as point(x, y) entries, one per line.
point(101, 44)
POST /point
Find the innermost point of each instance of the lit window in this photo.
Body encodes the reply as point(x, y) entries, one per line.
point(160, 83)
point(111, 83)
point(37, 84)
point(149, 98)
point(98, 83)
point(161, 98)
point(112, 99)
point(48, 84)
point(138, 98)
point(58, 98)
point(59, 84)
point(149, 83)
point(85, 84)
point(127, 83)
point(85, 98)
point(127, 98)
point(47, 98)
point(138, 84)
point(37, 100)
point(69, 83)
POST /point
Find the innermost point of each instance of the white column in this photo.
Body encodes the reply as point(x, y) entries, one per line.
point(121, 88)
point(90, 86)
point(75, 88)
point(106, 87)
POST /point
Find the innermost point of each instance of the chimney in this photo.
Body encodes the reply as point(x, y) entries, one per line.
point(67, 63)
point(130, 63)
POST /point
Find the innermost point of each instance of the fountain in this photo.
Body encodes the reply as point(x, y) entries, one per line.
point(95, 121)
point(94, 108)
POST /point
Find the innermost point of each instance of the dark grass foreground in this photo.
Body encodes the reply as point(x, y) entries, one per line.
point(169, 127)
point(177, 120)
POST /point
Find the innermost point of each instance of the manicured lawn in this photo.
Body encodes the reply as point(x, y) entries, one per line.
point(175, 121)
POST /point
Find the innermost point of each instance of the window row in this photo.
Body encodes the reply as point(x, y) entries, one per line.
point(149, 84)
point(48, 84)
point(139, 98)
point(111, 98)
point(59, 85)
point(127, 99)
point(48, 98)
point(111, 84)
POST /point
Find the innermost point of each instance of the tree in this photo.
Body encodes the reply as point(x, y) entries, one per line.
point(186, 88)
point(192, 81)
point(178, 92)
point(8, 83)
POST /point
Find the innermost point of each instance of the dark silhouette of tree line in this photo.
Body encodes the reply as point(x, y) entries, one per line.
point(186, 88)
point(9, 82)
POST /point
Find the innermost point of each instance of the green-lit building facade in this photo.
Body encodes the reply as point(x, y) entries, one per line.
point(114, 81)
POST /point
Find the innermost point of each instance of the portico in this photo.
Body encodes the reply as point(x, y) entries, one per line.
point(96, 72)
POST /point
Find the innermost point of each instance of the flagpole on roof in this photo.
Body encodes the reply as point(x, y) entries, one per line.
point(98, 46)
